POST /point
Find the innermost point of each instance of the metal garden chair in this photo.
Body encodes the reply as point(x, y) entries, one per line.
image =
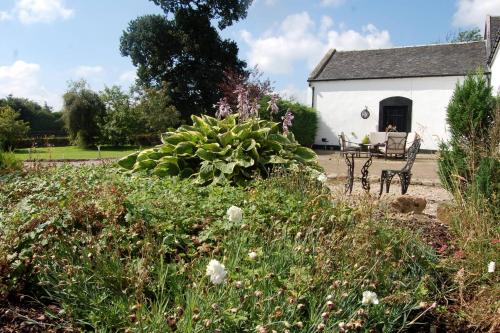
point(405, 173)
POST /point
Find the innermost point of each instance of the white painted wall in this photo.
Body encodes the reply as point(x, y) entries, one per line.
point(495, 72)
point(339, 105)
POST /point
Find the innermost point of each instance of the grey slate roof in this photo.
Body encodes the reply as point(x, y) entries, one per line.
point(494, 35)
point(412, 61)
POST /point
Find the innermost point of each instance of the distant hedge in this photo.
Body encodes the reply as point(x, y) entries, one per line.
point(305, 122)
point(43, 142)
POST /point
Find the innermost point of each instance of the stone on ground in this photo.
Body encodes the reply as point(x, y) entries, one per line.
point(408, 204)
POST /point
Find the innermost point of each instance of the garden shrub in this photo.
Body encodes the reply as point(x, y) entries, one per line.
point(11, 128)
point(305, 123)
point(470, 116)
point(9, 162)
point(487, 180)
point(213, 151)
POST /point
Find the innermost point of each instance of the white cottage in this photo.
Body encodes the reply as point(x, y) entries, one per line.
point(409, 87)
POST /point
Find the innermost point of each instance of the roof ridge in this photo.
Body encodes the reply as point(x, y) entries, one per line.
point(414, 46)
point(321, 65)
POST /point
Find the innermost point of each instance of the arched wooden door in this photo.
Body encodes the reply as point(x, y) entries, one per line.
point(395, 111)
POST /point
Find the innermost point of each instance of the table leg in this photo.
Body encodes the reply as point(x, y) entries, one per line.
point(364, 174)
point(350, 172)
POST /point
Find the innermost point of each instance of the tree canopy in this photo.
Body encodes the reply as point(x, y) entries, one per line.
point(11, 128)
point(83, 112)
point(185, 50)
point(41, 119)
point(471, 35)
point(225, 11)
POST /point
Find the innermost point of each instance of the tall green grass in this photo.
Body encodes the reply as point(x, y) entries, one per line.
point(9, 162)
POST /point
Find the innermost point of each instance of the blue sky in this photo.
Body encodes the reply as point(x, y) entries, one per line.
point(45, 43)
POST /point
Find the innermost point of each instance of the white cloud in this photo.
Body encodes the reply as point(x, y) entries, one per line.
point(127, 77)
point(86, 71)
point(473, 12)
point(298, 40)
point(270, 2)
point(33, 11)
point(4, 16)
point(21, 80)
point(370, 38)
point(333, 3)
point(293, 93)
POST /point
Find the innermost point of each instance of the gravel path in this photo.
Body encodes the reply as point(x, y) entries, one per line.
point(434, 194)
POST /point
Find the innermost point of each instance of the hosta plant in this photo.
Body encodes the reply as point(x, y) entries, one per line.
point(213, 151)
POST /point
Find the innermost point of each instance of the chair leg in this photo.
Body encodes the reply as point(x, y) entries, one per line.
point(405, 178)
point(388, 181)
point(382, 179)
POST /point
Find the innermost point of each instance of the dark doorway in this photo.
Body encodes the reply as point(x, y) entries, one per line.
point(395, 111)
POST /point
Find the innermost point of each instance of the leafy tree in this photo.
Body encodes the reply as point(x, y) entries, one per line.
point(42, 120)
point(252, 81)
point(471, 35)
point(121, 121)
point(83, 112)
point(184, 49)
point(154, 108)
point(11, 128)
point(225, 11)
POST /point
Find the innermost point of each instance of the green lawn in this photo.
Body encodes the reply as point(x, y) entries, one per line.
point(73, 153)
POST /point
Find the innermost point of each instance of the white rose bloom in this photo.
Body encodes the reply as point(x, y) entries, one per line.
point(252, 255)
point(234, 214)
point(322, 177)
point(369, 297)
point(216, 271)
point(491, 267)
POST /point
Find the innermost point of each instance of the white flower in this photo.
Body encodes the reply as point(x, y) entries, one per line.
point(322, 177)
point(234, 214)
point(252, 255)
point(491, 267)
point(216, 271)
point(369, 297)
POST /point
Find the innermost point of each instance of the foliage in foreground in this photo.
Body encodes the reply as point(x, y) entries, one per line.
point(214, 151)
point(118, 252)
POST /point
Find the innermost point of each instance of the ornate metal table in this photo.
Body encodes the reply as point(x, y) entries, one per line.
point(349, 159)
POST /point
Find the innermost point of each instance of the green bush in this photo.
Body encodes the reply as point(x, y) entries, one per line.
point(487, 180)
point(213, 151)
point(11, 129)
point(305, 122)
point(469, 116)
point(9, 162)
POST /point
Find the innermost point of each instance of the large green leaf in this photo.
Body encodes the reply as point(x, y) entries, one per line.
point(185, 148)
point(166, 169)
point(128, 161)
point(227, 138)
point(227, 168)
point(281, 139)
point(206, 155)
point(306, 154)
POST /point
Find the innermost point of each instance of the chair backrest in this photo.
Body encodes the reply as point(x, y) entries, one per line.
point(378, 137)
point(396, 143)
point(412, 154)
